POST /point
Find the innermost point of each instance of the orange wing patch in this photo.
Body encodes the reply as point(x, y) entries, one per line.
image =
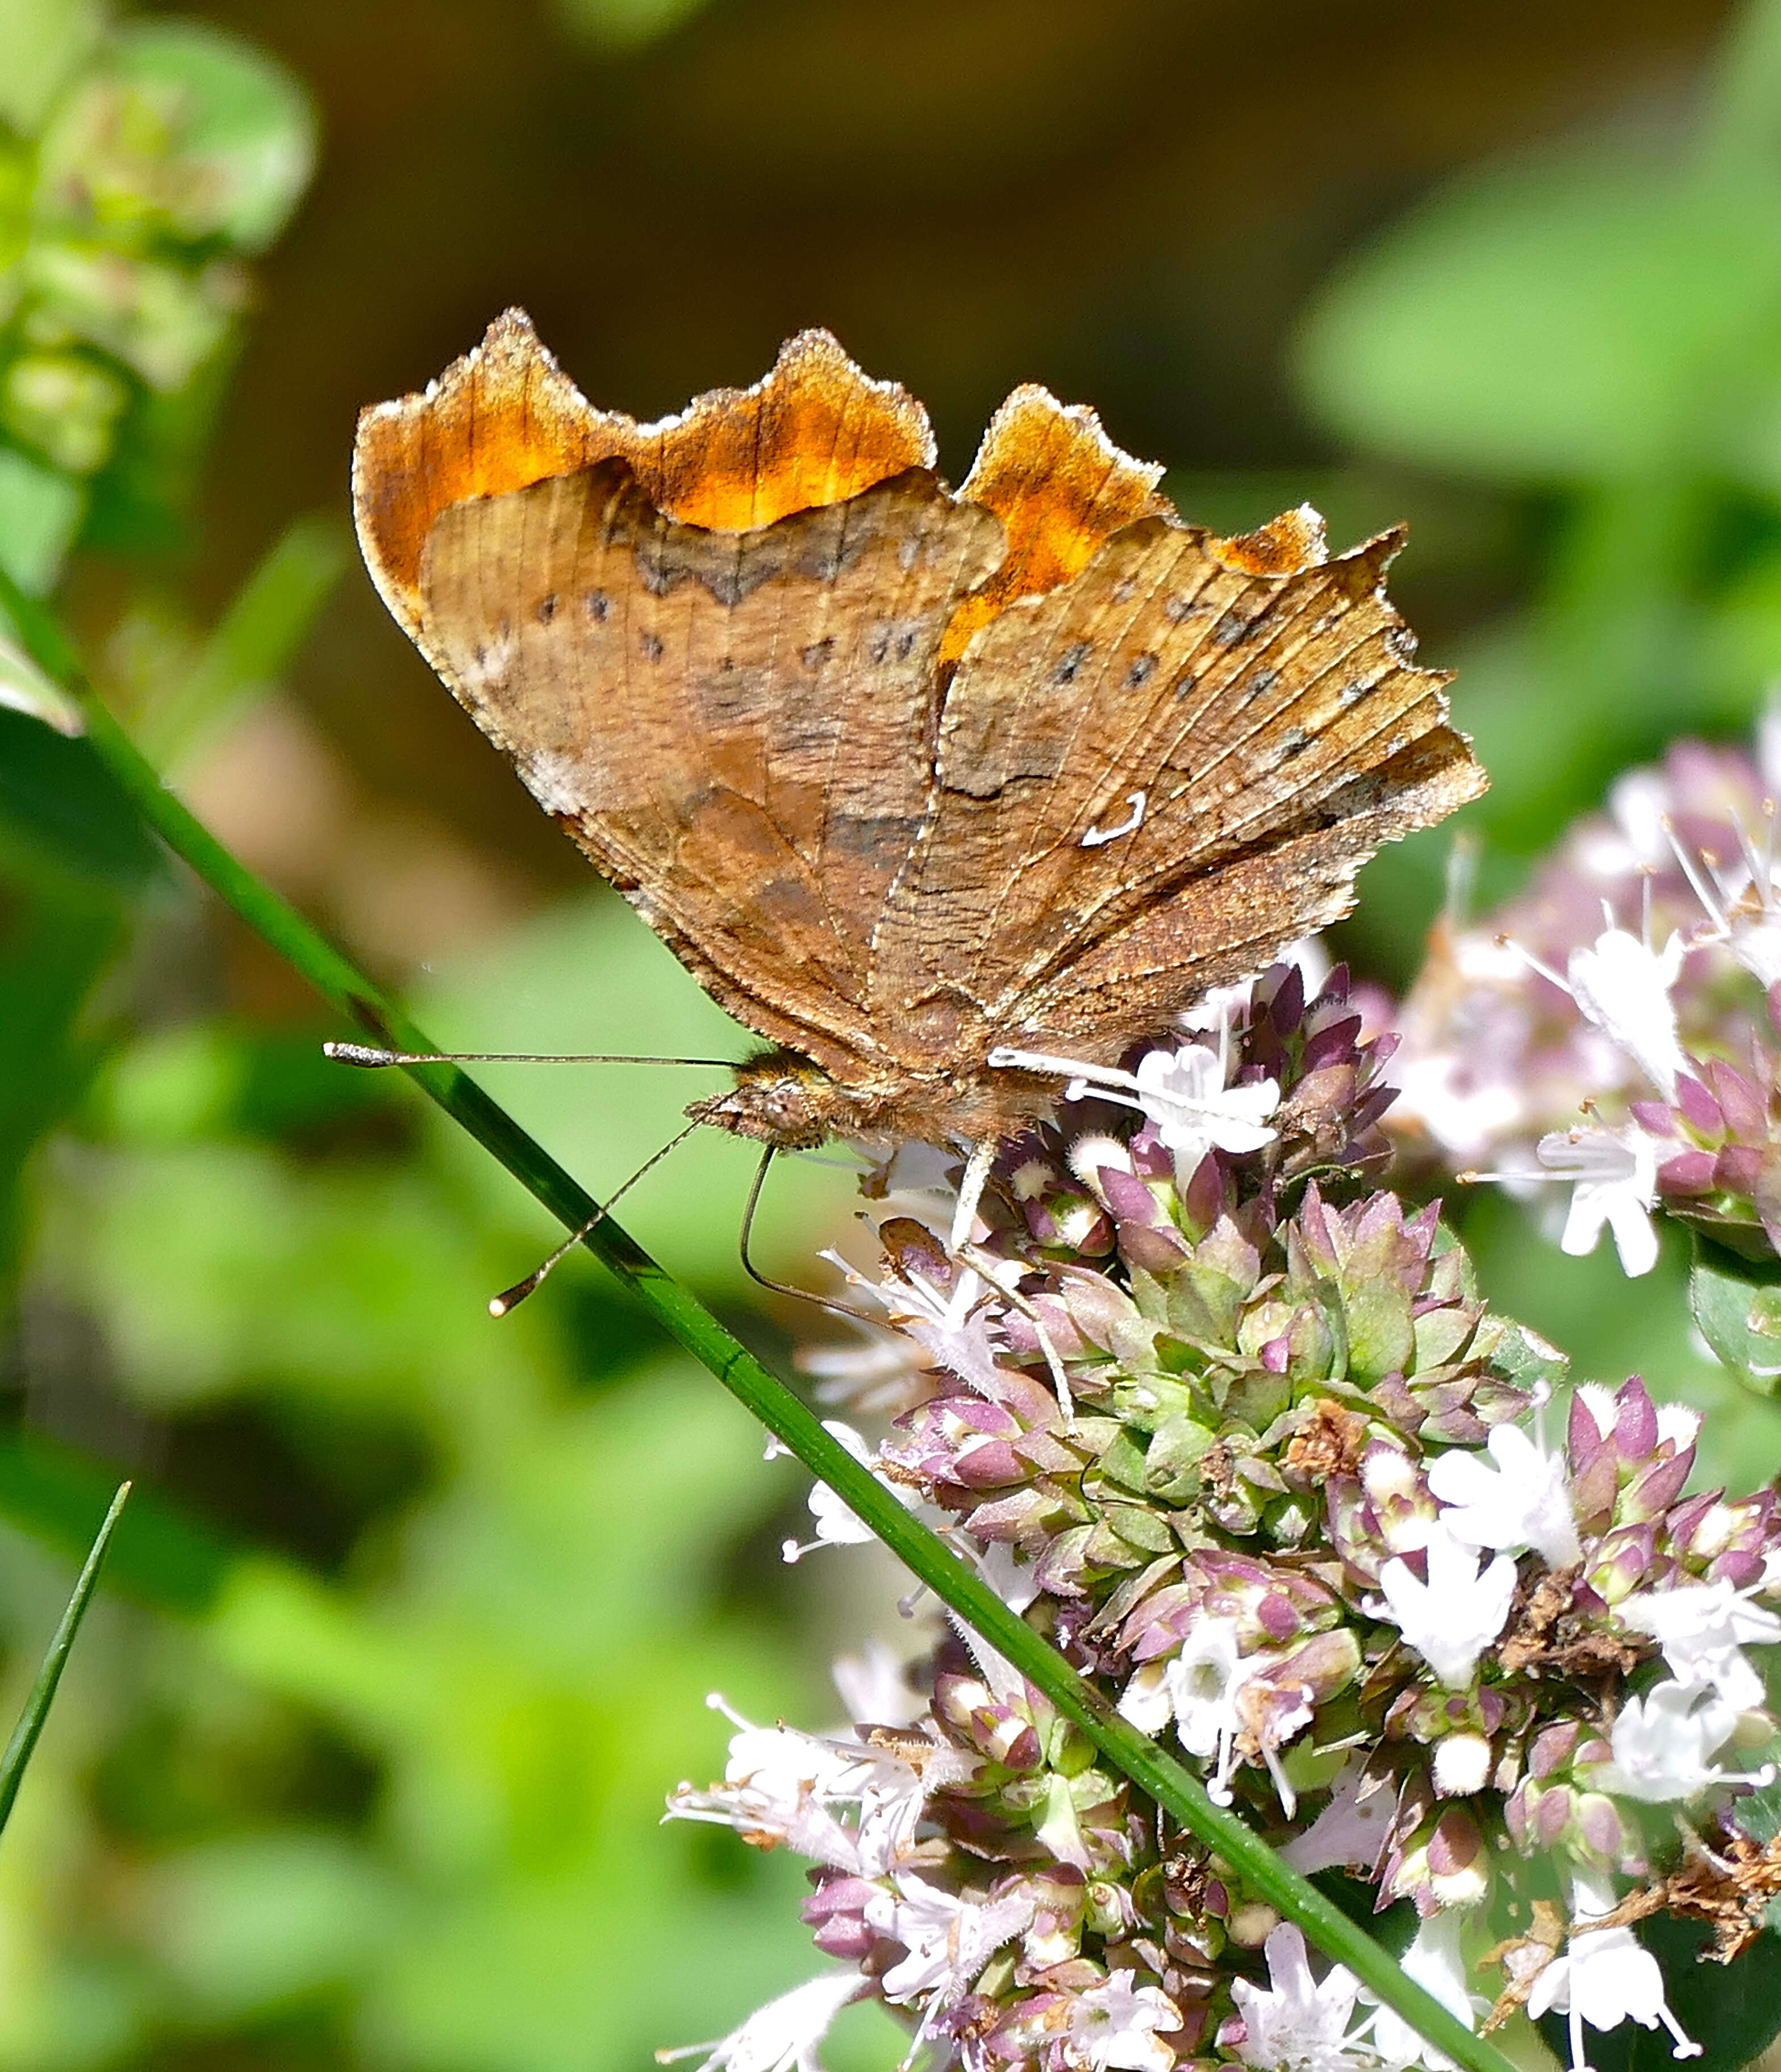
point(814, 431)
point(1286, 546)
point(1060, 486)
point(503, 417)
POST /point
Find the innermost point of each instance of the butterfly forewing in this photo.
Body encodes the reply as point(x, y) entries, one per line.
point(737, 726)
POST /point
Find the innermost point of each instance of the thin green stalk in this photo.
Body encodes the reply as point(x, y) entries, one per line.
point(42, 1691)
point(957, 1586)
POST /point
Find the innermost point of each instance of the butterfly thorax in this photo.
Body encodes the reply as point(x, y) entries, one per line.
point(783, 1099)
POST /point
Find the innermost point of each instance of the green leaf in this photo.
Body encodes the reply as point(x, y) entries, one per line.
point(1758, 1813)
point(40, 512)
point(182, 135)
point(247, 131)
point(51, 957)
point(17, 1755)
point(58, 797)
point(1736, 1303)
point(44, 41)
point(1732, 2011)
point(25, 688)
point(1604, 313)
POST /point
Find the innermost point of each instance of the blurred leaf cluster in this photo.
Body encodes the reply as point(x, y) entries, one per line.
point(140, 163)
point(1594, 329)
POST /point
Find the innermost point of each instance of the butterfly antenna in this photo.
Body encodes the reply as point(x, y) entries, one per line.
point(754, 1272)
point(371, 1056)
point(510, 1298)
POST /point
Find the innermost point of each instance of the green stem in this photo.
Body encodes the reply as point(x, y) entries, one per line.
point(957, 1586)
point(42, 1691)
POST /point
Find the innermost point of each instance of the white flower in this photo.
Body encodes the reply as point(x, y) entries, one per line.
point(1660, 1743)
point(1351, 1832)
point(783, 2036)
point(1522, 1503)
point(1181, 1091)
point(874, 1688)
point(1299, 2024)
point(956, 1326)
point(1623, 986)
point(781, 1785)
point(876, 1370)
point(949, 1939)
point(1454, 1617)
point(1462, 1764)
point(1465, 1122)
point(1703, 1628)
point(837, 1525)
point(1013, 1580)
point(1121, 2025)
point(1614, 1176)
point(1605, 1977)
point(1199, 1689)
point(1434, 1961)
point(1741, 906)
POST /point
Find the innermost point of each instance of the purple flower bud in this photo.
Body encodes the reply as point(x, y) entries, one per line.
point(1688, 1173)
point(835, 1911)
point(1698, 1107)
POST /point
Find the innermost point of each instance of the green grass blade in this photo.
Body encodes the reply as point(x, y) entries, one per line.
point(42, 1691)
point(956, 1585)
point(253, 644)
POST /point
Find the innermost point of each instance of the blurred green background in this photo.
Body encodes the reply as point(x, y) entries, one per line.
point(361, 1761)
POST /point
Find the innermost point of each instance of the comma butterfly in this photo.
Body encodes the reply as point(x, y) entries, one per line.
point(906, 776)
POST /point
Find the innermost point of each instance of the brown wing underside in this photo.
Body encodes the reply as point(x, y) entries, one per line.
point(737, 726)
point(741, 730)
point(1256, 736)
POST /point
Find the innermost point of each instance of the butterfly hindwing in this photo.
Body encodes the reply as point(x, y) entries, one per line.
point(1162, 717)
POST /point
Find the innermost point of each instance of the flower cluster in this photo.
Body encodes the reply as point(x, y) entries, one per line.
point(1636, 978)
point(1234, 1430)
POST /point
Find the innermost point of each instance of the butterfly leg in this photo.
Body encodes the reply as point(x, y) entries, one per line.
point(971, 1187)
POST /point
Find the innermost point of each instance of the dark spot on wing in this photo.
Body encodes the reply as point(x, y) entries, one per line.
point(1232, 627)
point(1143, 668)
point(1293, 742)
point(894, 640)
point(1262, 682)
point(547, 609)
point(1179, 607)
point(596, 604)
point(649, 646)
point(1070, 662)
point(818, 652)
point(872, 834)
point(1352, 694)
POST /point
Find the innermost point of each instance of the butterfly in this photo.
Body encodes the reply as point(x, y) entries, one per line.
point(940, 792)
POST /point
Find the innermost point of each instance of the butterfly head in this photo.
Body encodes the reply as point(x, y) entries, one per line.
point(782, 1098)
